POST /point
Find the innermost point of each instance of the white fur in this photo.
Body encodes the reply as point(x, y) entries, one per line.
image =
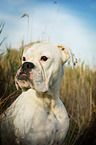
point(38, 116)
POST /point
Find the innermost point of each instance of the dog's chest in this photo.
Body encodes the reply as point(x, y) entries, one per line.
point(34, 123)
point(42, 129)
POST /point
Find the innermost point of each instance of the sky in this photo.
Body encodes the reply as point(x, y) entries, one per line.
point(68, 22)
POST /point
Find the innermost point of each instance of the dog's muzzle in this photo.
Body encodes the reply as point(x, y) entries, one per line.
point(24, 73)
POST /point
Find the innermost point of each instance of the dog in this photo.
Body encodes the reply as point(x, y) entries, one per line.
point(38, 116)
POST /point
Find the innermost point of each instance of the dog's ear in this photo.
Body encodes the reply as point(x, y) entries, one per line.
point(65, 53)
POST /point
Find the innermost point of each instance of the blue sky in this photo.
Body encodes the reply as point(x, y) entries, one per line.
point(69, 22)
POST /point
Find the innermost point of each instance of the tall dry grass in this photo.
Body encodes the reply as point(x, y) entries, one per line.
point(78, 93)
point(9, 64)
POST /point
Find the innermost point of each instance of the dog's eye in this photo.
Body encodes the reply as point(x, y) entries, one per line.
point(24, 59)
point(44, 58)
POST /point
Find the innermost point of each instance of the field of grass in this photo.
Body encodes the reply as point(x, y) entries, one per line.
point(78, 93)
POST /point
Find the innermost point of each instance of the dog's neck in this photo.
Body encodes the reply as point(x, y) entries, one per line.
point(50, 97)
point(49, 103)
point(46, 100)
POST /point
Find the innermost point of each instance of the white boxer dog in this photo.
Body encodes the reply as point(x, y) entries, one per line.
point(38, 116)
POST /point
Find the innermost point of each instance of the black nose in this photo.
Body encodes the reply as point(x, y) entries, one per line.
point(28, 65)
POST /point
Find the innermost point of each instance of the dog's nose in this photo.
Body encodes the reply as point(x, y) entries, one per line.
point(28, 65)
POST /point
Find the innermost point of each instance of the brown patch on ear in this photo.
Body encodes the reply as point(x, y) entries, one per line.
point(62, 47)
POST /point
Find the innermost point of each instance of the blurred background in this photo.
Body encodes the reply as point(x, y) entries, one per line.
point(69, 22)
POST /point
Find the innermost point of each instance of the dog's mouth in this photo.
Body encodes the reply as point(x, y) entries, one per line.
point(23, 80)
point(23, 77)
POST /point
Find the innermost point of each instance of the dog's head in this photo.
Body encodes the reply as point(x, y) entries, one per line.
point(42, 67)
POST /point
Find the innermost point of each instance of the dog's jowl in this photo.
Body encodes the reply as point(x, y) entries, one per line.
point(38, 116)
